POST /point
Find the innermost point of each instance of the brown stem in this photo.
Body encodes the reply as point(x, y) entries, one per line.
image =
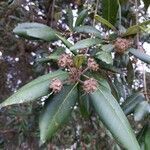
point(85, 70)
point(85, 76)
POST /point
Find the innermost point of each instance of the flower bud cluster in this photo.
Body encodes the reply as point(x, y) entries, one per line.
point(65, 60)
point(122, 45)
point(90, 85)
point(92, 64)
point(56, 85)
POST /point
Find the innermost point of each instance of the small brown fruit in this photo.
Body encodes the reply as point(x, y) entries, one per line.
point(56, 85)
point(65, 60)
point(122, 45)
point(92, 64)
point(90, 85)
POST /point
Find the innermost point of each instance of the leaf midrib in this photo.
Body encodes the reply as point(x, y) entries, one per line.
point(116, 113)
point(54, 117)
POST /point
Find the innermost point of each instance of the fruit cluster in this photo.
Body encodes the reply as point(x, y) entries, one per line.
point(66, 61)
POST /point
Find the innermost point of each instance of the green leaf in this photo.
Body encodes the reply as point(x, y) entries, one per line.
point(144, 137)
point(107, 47)
point(102, 81)
point(110, 10)
point(84, 104)
point(120, 87)
point(34, 89)
point(104, 21)
point(45, 34)
point(108, 67)
point(141, 55)
point(85, 43)
point(112, 87)
point(131, 102)
point(35, 30)
point(81, 17)
point(88, 29)
point(136, 28)
point(113, 118)
point(141, 110)
point(66, 42)
point(39, 31)
point(105, 57)
point(57, 111)
point(70, 18)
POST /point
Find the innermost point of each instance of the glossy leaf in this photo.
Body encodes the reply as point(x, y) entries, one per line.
point(131, 102)
point(57, 111)
point(141, 110)
point(39, 31)
point(85, 43)
point(110, 10)
point(35, 30)
point(81, 17)
point(104, 22)
point(88, 29)
point(107, 47)
point(105, 57)
point(113, 118)
point(108, 67)
point(141, 55)
point(34, 89)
